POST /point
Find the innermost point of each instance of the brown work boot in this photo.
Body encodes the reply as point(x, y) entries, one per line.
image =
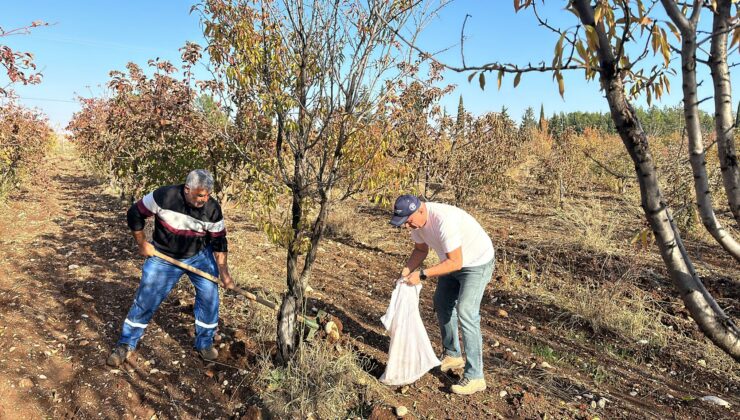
point(469, 386)
point(118, 355)
point(450, 362)
point(209, 353)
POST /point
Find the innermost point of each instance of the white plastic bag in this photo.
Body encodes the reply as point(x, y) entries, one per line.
point(410, 355)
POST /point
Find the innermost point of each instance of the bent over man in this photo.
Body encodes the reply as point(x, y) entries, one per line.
point(466, 265)
point(188, 226)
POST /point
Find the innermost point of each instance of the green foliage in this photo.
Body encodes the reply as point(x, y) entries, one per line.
point(656, 121)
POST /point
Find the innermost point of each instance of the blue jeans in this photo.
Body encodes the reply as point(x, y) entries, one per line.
point(158, 277)
point(458, 295)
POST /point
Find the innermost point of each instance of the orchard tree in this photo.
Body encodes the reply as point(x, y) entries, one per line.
point(319, 76)
point(612, 40)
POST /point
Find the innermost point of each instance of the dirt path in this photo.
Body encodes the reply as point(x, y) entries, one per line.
point(69, 272)
point(66, 280)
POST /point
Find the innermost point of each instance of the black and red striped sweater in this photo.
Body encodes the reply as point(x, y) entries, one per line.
point(180, 230)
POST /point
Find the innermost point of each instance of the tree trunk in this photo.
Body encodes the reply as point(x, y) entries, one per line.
point(703, 308)
point(697, 153)
point(723, 107)
point(292, 305)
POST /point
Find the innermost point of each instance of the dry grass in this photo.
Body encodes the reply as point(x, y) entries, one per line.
point(591, 226)
point(619, 307)
point(322, 381)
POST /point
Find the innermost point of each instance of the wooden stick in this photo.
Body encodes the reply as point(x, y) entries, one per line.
point(251, 296)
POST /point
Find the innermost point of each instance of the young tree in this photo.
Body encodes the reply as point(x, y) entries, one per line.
point(323, 75)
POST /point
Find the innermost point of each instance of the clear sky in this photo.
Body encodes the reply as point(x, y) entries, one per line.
point(87, 39)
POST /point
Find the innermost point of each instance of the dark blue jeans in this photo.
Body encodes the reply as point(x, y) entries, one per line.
point(458, 295)
point(158, 277)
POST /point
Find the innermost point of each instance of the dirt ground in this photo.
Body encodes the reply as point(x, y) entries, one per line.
point(69, 271)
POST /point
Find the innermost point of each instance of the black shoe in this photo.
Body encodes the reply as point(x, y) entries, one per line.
point(118, 355)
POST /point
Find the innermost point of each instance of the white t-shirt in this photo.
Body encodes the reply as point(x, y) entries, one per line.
point(448, 228)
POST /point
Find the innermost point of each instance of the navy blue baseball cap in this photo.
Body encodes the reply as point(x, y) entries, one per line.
point(405, 206)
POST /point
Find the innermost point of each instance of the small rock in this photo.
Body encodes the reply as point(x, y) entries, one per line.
point(226, 383)
point(633, 393)
point(715, 400)
point(42, 376)
point(702, 363)
point(496, 343)
point(153, 371)
point(404, 389)
point(401, 411)
point(25, 383)
point(115, 371)
point(545, 365)
point(593, 404)
point(602, 402)
point(73, 266)
point(503, 394)
point(642, 342)
point(588, 396)
point(502, 313)
point(84, 343)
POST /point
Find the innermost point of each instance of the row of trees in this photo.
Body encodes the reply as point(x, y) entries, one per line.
point(656, 121)
point(25, 135)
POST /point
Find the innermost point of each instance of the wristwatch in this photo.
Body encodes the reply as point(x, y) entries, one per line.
point(422, 274)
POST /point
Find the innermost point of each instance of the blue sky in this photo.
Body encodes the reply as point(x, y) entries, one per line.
point(87, 39)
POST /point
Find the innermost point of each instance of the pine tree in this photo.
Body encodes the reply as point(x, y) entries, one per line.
point(543, 119)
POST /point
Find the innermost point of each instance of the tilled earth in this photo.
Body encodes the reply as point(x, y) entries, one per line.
point(69, 273)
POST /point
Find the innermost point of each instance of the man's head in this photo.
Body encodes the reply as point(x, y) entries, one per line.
point(409, 211)
point(198, 187)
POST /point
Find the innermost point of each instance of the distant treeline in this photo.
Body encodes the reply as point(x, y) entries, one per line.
point(655, 120)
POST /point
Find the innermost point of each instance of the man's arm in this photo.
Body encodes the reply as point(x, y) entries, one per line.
point(452, 263)
point(419, 254)
point(223, 269)
point(145, 248)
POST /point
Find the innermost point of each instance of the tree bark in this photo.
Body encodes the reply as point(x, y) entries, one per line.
point(724, 125)
point(697, 154)
point(703, 308)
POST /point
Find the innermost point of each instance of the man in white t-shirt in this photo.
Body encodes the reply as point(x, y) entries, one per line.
point(466, 265)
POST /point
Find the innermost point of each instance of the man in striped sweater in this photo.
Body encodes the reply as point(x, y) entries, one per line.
point(188, 226)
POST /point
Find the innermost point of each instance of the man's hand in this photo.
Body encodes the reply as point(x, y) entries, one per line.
point(405, 272)
point(227, 281)
point(412, 279)
point(146, 249)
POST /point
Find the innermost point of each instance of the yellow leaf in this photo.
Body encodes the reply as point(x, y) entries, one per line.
point(735, 37)
point(482, 81)
point(561, 84)
point(517, 78)
point(592, 38)
point(598, 13)
point(500, 78)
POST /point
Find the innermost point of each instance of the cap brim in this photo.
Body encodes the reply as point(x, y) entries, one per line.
point(398, 221)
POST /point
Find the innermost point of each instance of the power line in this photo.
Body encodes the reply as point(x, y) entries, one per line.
point(47, 99)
